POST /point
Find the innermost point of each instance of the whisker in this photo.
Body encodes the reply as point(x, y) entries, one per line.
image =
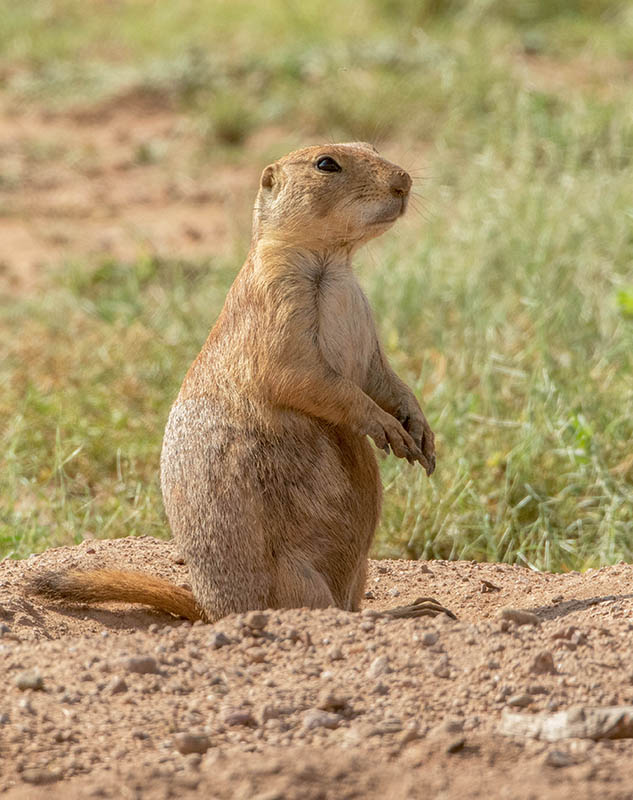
point(420, 208)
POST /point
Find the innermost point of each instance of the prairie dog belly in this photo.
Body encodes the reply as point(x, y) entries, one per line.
point(347, 337)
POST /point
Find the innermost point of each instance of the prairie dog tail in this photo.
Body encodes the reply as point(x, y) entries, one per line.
point(101, 585)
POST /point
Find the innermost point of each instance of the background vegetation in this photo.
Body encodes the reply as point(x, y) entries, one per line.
point(505, 299)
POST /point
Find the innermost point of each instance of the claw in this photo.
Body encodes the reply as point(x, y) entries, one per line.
point(421, 458)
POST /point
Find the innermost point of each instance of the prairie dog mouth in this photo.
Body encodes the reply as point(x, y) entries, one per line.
point(391, 213)
point(385, 220)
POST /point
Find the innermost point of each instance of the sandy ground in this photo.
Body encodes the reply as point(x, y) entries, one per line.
point(119, 702)
point(122, 180)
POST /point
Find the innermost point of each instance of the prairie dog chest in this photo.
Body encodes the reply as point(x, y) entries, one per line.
point(347, 335)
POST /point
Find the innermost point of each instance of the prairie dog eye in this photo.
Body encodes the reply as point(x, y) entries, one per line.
point(327, 164)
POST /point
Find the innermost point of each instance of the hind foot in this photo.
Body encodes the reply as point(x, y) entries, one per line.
point(421, 607)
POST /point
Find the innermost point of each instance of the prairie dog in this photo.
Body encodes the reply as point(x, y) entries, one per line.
point(270, 484)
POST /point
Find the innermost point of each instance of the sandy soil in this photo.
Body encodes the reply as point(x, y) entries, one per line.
point(121, 702)
point(124, 179)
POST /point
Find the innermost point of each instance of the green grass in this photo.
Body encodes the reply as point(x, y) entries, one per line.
point(507, 302)
point(378, 68)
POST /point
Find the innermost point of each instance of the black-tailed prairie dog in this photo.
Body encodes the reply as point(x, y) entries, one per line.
point(269, 481)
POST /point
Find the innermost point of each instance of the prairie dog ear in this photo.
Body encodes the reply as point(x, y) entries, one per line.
point(268, 177)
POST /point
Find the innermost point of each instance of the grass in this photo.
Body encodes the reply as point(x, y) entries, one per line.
point(507, 303)
point(343, 68)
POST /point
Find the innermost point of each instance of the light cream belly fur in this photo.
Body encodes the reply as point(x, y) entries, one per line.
point(347, 338)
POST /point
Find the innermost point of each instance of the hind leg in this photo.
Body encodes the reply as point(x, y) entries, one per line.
point(299, 585)
point(229, 569)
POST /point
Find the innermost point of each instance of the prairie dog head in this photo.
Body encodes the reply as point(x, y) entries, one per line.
point(337, 195)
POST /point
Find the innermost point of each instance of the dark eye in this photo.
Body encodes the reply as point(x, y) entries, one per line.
point(327, 164)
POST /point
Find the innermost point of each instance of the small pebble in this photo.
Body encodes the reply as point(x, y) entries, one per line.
point(519, 617)
point(117, 685)
point(273, 712)
point(456, 745)
point(520, 700)
point(335, 654)
point(543, 663)
point(218, 640)
point(387, 726)
point(451, 725)
point(411, 733)
point(40, 777)
point(565, 633)
point(329, 700)
point(256, 655)
point(316, 718)
point(142, 665)
point(256, 620)
point(30, 679)
point(25, 705)
point(379, 666)
point(187, 743)
point(239, 716)
point(442, 667)
point(558, 758)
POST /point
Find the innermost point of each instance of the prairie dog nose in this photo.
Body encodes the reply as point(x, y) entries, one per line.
point(400, 183)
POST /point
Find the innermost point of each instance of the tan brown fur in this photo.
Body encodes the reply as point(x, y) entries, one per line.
point(99, 585)
point(270, 486)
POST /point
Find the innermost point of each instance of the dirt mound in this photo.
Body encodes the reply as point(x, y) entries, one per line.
point(119, 702)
